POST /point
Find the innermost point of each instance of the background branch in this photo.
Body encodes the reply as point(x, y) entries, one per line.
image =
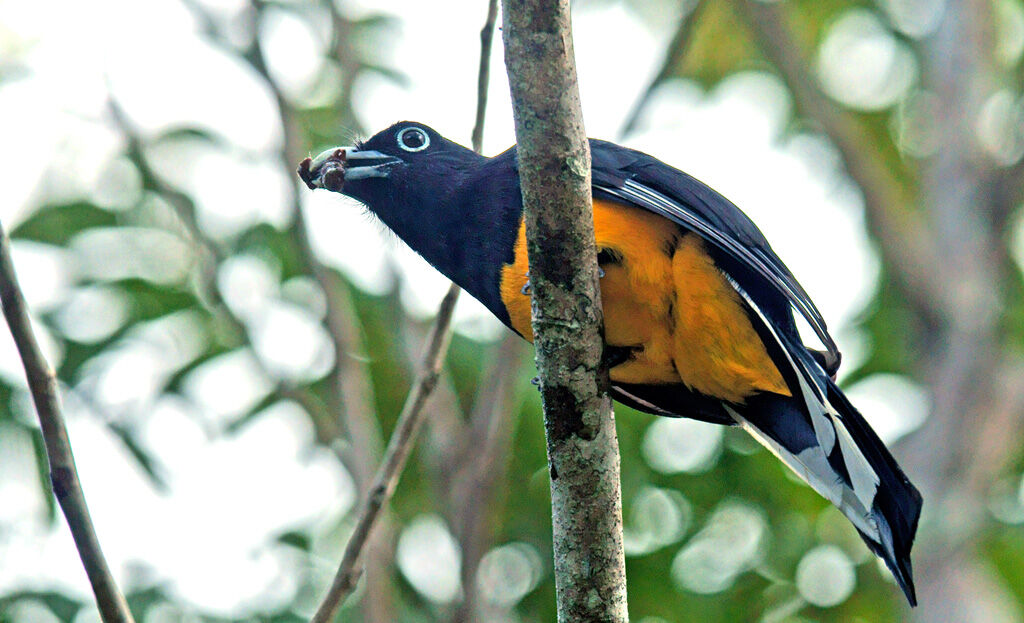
point(480, 465)
point(409, 421)
point(352, 398)
point(949, 257)
point(349, 411)
point(484, 76)
point(351, 390)
point(669, 65)
point(968, 356)
point(903, 238)
point(394, 460)
point(63, 474)
point(210, 257)
point(554, 173)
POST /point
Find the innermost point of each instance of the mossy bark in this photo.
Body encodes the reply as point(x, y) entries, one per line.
point(554, 170)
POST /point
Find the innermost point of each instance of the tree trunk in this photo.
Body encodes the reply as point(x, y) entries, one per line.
point(554, 169)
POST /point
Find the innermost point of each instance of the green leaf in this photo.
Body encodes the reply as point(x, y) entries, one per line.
point(58, 224)
point(297, 540)
point(140, 455)
point(193, 133)
point(149, 301)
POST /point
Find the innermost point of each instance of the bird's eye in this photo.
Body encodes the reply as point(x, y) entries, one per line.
point(413, 139)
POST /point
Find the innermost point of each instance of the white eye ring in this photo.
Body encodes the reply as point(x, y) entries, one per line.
point(423, 134)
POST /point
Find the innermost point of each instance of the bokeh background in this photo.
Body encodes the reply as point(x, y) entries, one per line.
point(233, 348)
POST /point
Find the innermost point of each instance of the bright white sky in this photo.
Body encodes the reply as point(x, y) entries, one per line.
point(209, 533)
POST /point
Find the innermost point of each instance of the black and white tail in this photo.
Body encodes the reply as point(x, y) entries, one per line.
point(827, 442)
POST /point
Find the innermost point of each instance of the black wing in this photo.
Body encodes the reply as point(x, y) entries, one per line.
point(646, 182)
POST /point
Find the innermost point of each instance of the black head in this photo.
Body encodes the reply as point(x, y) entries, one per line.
point(456, 208)
point(397, 165)
point(422, 186)
point(409, 140)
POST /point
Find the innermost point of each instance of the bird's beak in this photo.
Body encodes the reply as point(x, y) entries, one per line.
point(332, 168)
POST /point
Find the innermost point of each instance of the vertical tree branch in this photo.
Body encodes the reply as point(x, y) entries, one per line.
point(63, 474)
point(966, 355)
point(554, 170)
point(953, 263)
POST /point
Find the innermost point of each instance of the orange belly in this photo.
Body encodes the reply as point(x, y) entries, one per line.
point(668, 301)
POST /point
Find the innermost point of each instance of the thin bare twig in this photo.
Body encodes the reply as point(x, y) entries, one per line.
point(484, 76)
point(63, 474)
point(398, 450)
point(669, 65)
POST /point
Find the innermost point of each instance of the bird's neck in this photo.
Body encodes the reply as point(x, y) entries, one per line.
point(463, 237)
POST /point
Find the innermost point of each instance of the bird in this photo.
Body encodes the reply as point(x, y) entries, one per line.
point(699, 311)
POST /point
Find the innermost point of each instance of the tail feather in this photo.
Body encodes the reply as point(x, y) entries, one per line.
point(827, 442)
point(897, 507)
point(836, 452)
